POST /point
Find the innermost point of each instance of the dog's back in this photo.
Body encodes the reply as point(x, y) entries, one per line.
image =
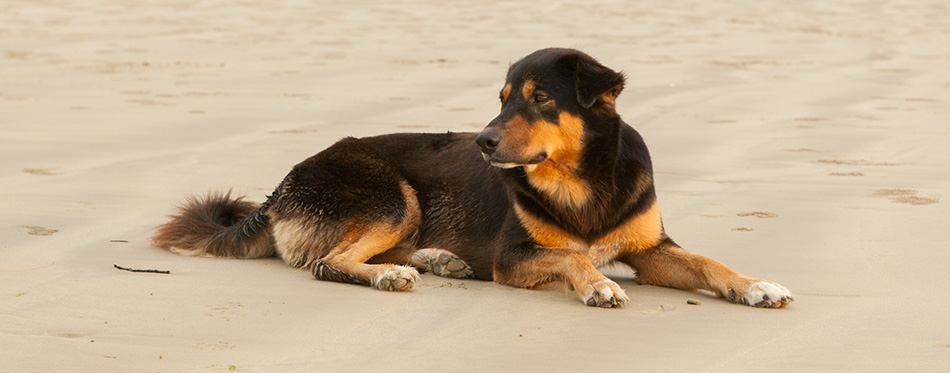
point(430, 190)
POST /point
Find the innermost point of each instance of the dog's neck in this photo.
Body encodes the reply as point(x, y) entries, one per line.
point(562, 191)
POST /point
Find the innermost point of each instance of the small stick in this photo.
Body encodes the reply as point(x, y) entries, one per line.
point(141, 270)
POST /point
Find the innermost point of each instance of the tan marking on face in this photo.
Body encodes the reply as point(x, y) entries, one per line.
point(516, 139)
point(641, 232)
point(506, 92)
point(527, 89)
point(557, 176)
point(547, 235)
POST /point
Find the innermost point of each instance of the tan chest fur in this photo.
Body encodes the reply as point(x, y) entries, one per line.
point(640, 232)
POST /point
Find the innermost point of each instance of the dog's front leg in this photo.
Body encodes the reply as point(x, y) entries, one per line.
point(669, 265)
point(528, 266)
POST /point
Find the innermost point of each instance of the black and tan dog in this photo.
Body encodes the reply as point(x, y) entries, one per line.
point(567, 188)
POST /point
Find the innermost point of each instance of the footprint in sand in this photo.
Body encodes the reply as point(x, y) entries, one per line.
point(659, 310)
point(292, 131)
point(905, 196)
point(220, 346)
point(224, 311)
point(811, 119)
point(802, 150)
point(846, 174)
point(856, 162)
point(39, 231)
point(759, 214)
point(44, 171)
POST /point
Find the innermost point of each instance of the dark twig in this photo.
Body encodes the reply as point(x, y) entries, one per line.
point(141, 270)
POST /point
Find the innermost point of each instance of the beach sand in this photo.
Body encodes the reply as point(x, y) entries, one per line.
point(804, 143)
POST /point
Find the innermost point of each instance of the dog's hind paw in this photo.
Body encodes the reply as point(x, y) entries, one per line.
point(763, 294)
point(604, 293)
point(397, 278)
point(442, 263)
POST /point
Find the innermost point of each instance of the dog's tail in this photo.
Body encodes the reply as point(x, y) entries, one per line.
point(218, 226)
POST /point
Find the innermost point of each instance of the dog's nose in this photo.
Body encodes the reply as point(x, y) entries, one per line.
point(488, 140)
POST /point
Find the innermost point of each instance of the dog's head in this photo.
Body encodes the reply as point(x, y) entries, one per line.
point(544, 103)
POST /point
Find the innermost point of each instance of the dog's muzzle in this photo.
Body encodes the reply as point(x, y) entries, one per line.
point(488, 140)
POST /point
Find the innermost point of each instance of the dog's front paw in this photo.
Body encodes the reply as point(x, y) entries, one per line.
point(397, 278)
point(604, 293)
point(763, 294)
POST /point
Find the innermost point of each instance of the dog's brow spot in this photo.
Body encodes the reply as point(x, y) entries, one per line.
point(506, 92)
point(527, 89)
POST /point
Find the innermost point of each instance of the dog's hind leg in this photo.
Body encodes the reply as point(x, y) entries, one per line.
point(346, 262)
point(438, 261)
point(669, 265)
point(441, 263)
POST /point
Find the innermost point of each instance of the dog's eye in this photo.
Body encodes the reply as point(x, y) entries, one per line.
point(541, 98)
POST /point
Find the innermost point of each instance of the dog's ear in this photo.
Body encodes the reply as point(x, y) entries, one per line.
point(595, 81)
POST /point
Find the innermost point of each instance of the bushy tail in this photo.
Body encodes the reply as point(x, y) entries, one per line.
point(218, 226)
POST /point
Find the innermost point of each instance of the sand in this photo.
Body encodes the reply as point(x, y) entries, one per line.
point(805, 143)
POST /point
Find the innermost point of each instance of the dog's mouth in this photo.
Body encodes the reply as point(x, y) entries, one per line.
point(528, 165)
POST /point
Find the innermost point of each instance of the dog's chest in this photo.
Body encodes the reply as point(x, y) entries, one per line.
point(640, 232)
point(599, 253)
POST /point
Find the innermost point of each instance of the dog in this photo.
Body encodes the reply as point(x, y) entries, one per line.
point(554, 187)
